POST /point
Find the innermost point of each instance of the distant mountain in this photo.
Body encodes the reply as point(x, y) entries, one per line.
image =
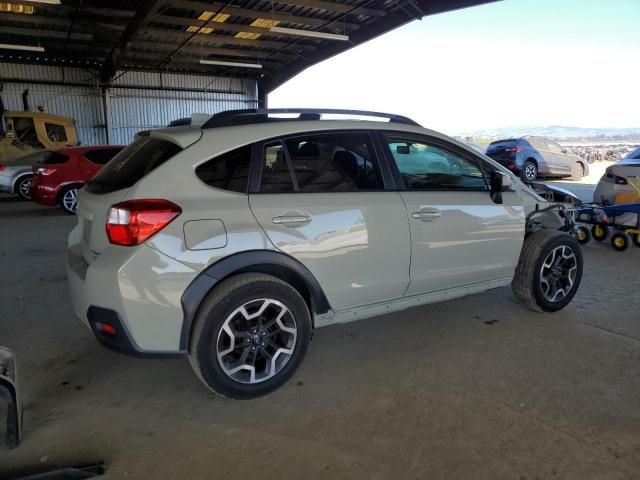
point(557, 132)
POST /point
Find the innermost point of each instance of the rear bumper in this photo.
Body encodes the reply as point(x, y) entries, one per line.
point(6, 183)
point(43, 194)
point(135, 290)
point(115, 335)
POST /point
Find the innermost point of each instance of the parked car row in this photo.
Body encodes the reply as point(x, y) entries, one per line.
point(53, 177)
point(533, 157)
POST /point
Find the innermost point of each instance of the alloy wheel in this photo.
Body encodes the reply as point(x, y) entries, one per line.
point(70, 200)
point(530, 172)
point(558, 273)
point(25, 188)
point(256, 341)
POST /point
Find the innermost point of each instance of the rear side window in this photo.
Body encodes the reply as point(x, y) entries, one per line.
point(56, 133)
point(333, 162)
point(132, 164)
point(101, 157)
point(53, 158)
point(229, 171)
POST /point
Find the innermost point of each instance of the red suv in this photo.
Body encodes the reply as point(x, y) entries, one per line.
point(59, 175)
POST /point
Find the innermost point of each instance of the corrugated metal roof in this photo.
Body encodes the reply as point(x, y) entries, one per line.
point(167, 35)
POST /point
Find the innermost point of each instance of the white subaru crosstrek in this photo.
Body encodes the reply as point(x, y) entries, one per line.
point(231, 241)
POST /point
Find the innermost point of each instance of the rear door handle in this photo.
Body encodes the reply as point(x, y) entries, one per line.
point(427, 214)
point(291, 220)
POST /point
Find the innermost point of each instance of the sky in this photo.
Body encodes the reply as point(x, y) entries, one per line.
point(506, 64)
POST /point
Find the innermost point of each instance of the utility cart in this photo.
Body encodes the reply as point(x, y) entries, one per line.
point(622, 220)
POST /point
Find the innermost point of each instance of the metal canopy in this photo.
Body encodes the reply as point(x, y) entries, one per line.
point(175, 35)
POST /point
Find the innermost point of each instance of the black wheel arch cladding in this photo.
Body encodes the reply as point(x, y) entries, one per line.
point(277, 264)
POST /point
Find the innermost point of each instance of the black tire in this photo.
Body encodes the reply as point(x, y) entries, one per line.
point(529, 171)
point(23, 187)
point(619, 242)
point(218, 307)
point(636, 239)
point(583, 235)
point(527, 284)
point(69, 205)
point(577, 172)
point(600, 232)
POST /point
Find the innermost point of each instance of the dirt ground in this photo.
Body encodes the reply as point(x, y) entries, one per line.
point(475, 388)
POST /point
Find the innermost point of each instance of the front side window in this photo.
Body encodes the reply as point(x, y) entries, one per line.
point(554, 147)
point(425, 166)
point(331, 162)
point(229, 171)
point(56, 133)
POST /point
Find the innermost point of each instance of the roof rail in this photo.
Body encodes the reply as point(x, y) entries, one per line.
point(252, 116)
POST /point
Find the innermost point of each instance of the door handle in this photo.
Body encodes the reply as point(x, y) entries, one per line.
point(291, 219)
point(427, 215)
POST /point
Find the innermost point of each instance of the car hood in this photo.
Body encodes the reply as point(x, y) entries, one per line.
point(554, 194)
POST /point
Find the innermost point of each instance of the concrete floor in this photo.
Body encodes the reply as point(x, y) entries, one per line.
point(475, 388)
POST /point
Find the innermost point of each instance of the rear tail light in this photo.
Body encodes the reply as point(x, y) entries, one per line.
point(2, 167)
point(135, 221)
point(621, 180)
point(617, 179)
point(106, 328)
point(45, 171)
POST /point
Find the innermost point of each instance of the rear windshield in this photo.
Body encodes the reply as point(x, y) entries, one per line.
point(502, 144)
point(635, 155)
point(53, 158)
point(132, 164)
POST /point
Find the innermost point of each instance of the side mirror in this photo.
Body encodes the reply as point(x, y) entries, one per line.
point(500, 182)
point(403, 149)
point(9, 392)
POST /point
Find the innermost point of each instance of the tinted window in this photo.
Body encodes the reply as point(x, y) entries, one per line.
point(229, 171)
point(52, 158)
point(132, 164)
point(424, 166)
point(101, 157)
point(56, 133)
point(276, 176)
point(341, 162)
point(501, 144)
point(635, 155)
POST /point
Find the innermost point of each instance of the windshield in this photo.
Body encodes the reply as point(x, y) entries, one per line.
point(502, 144)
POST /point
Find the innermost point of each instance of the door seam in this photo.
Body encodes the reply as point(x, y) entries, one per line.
point(406, 211)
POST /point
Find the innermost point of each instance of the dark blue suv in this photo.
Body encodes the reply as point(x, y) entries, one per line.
point(533, 157)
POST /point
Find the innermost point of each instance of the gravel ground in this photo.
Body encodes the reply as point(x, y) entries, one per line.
point(475, 388)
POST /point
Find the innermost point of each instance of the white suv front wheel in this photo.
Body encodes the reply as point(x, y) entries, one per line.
point(549, 270)
point(251, 334)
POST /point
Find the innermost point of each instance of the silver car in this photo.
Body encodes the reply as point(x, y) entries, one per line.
point(621, 181)
point(231, 241)
point(16, 175)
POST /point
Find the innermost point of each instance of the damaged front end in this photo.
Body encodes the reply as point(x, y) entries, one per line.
point(550, 208)
point(9, 392)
